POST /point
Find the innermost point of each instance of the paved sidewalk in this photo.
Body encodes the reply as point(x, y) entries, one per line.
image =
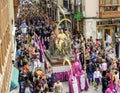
point(91, 89)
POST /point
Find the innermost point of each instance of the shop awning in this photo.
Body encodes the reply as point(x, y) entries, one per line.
point(14, 81)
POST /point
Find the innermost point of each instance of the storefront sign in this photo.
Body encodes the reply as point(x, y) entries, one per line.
point(111, 22)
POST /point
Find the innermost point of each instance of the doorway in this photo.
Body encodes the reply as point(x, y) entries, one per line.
point(106, 30)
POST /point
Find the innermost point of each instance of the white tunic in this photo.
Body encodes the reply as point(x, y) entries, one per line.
point(82, 80)
point(27, 90)
point(75, 85)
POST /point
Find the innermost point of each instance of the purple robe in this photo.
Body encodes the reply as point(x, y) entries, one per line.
point(110, 91)
point(86, 84)
point(43, 45)
point(59, 75)
point(111, 88)
point(111, 84)
point(77, 67)
point(42, 56)
point(71, 90)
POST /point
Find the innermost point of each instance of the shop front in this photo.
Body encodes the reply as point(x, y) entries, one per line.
point(110, 27)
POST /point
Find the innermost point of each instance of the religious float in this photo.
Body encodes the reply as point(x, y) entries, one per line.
point(59, 49)
point(60, 46)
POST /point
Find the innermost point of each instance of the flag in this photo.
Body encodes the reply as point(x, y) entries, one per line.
point(43, 45)
point(37, 42)
point(42, 56)
point(40, 46)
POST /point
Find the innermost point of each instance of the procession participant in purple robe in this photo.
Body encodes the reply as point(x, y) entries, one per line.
point(73, 84)
point(110, 89)
point(70, 85)
point(76, 67)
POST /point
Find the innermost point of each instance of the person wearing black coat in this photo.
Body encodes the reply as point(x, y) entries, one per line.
point(117, 48)
point(50, 81)
point(81, 58)
point(104, 82)
point(90, 71)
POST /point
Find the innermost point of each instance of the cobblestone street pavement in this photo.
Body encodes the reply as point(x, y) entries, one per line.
point(91, 89)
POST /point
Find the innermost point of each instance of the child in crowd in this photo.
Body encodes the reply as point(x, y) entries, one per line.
point(97, 77)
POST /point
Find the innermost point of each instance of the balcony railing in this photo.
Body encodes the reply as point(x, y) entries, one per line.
point(104, 5)
point(110, 14)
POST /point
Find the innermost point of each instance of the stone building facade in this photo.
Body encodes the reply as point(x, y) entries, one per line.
point(5, 45)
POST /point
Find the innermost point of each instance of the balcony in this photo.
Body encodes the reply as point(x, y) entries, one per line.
point(109, 8)
point(109, 14)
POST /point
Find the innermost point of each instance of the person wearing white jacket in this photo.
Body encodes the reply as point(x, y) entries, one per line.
point(97, 76)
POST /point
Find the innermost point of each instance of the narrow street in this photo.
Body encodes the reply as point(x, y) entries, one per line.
point(51, 54)
point(91, 89)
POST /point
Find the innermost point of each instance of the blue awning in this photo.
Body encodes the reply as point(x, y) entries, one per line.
point(14, 81)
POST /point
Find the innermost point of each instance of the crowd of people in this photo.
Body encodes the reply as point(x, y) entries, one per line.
point(32, 37)
point(100, 62)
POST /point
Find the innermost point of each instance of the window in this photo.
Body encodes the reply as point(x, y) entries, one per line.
point(114, 1)
point(118, 29)
point(65, 3)
point(101, 9)
point(110, 5)
point(113, 8)
point(107, 8)
point(101, 2)
point(108, 1)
